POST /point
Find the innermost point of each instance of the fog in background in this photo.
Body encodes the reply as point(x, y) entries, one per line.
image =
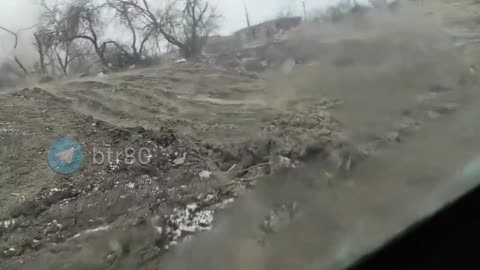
point(18, 14)
point(15, 15)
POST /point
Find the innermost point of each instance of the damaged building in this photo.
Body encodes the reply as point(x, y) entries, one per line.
point(267, 30)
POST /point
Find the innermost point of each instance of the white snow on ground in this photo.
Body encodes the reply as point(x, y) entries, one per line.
point(90, 231)
point(188, 220)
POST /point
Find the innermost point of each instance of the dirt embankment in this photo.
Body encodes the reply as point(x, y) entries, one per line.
point(199, 157)
point(210, 135)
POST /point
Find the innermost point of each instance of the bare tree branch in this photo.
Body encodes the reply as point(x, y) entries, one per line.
point(15, 35)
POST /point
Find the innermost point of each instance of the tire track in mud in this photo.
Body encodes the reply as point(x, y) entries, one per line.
point(335, 223)
point(133, 98)
point(237, 244)
point(155, 107)
point(274, 191)
point(56, 206)
point(302, 132)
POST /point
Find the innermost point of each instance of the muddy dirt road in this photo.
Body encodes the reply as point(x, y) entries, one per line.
point(306, 169)
point(337, 224)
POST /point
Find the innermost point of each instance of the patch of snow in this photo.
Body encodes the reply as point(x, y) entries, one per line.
point(188, 220)
point(225, 203)
point(209, 197)
point(192, 207)
point(114, 166)
point(8, 223)
point(90, 231)
point(205, 175)
point(181, 160)
point(101, 75)
point(285, 162)
point(158, 229)
point(130, 185)
point(181, 61)
point(8, 130)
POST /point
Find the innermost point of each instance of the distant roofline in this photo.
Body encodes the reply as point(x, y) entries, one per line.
point(267, 22)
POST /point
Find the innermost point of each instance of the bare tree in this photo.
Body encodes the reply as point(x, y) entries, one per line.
point(141, 30)
point(86, 19)
point(15, 45)
point(72, 32)
point(57, 38)
point(153, 20)
point(184, 24)
point(40, 43)
point(199, 20)
point(44, 48)
point(128, 16)
point(79, 20)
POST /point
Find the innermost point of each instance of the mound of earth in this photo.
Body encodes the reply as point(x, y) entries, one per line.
point(169, 177)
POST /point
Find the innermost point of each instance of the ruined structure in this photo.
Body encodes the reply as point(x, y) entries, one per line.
point(267, 30)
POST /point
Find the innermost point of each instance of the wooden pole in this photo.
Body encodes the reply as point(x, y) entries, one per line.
point(247, 16)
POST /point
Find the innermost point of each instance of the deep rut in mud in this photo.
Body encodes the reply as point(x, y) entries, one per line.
point(173, 196)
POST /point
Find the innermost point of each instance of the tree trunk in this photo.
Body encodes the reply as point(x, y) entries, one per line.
point(20, 64)
point(60, 62)
point(101, 54)
point(41, 54)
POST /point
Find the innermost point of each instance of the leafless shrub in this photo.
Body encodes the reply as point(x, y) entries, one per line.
point(186, 24)
point(70, 36)
point(142, 31)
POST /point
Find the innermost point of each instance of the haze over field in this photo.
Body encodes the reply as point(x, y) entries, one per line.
point(20, 13)
point(23, 13)
point(306, 145)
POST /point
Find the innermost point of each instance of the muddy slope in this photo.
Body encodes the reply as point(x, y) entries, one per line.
point(316, 145)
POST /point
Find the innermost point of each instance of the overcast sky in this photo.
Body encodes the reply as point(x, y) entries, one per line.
point(17, 14)
point(260, 10)
point(21, 13)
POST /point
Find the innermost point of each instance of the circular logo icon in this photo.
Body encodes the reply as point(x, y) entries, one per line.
point(65, 156)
